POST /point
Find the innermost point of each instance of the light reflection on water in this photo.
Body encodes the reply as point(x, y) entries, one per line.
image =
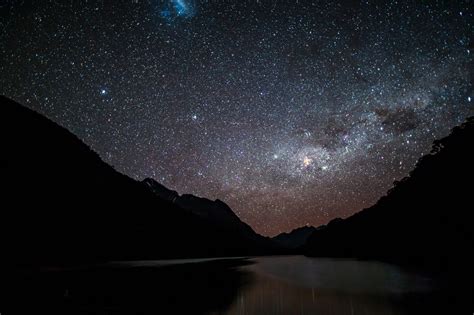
point(300, 285)
point(235, 286)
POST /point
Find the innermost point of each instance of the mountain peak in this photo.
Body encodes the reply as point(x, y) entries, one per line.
point(216, 212)
point(160, 190)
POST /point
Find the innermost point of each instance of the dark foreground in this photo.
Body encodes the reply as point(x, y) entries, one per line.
point(269, 285)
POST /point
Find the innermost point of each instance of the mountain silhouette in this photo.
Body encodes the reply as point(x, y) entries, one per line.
point(296, 238)
point(61, 203)
point(215, 212)
point(424, 221)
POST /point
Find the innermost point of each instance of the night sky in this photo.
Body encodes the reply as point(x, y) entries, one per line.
point(292, 112)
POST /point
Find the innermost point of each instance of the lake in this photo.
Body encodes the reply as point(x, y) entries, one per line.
point(301, 285)
point(262, 285)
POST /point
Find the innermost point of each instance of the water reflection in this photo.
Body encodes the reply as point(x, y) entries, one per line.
point(300, 285)
point(197, 287)
point(268, 285)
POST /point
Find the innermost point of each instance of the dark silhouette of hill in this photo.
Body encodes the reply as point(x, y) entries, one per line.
point(425, 221)
point(294, 239)
point(215, 212)
point(60, 203)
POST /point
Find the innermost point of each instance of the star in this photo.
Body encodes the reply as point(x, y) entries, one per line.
point(289, 114)
point(307, 161)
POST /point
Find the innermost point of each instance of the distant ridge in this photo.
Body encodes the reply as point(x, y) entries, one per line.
point(296, 238)
point(216, 212)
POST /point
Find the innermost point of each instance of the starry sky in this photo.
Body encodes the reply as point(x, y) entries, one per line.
point(292, 112)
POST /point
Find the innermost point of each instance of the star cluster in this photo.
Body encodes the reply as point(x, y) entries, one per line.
point(293, 113)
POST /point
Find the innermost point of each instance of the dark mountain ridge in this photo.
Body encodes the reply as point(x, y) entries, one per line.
point(424, 221)
point(216, 212)
point(420, 216)
point(61, 202)
point(296, 238)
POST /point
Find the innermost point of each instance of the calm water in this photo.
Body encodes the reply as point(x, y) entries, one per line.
point(266, 285)
point(301, 285)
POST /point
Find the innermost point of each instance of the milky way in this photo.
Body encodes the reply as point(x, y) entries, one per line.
point(293, 113)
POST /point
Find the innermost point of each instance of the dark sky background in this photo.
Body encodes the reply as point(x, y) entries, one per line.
point(292, 112)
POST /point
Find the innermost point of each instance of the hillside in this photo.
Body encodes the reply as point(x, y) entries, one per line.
point(61, 202)
point(424, 221)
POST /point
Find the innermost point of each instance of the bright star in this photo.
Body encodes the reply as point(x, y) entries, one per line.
point(307, 161)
